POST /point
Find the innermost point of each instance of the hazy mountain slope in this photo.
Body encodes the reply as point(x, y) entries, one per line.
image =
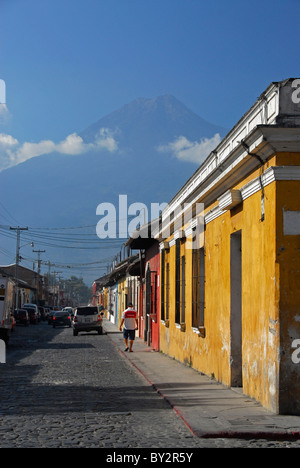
point(58, 190)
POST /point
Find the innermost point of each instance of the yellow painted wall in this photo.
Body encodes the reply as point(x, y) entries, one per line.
point(260, 300)
point(288, 263)
point(264, 298)
point(105, 301)
point(122, 291)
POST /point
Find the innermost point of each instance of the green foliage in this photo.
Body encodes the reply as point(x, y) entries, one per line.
point(79, 291)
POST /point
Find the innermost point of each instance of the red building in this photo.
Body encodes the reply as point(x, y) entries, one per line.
point(148, 269)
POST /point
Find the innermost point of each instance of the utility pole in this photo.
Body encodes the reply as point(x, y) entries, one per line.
point(18, 230)
point(54, 282)
point(39, 271)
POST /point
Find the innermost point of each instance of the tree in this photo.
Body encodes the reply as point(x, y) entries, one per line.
point(78, 290)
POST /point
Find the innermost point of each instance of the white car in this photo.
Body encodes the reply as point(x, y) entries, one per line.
point(87, 318)
point(32, 306)
point(69, 310)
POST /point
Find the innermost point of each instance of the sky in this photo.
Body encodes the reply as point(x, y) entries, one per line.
point(67, 63)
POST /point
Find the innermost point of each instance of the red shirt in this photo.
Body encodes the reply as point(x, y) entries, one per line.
point(129, 315)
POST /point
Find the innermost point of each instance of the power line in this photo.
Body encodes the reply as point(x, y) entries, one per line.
point(80, 244)
point(8, 213)
point(68, 239)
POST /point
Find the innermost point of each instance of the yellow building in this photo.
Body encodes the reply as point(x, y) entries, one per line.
point(231, 276)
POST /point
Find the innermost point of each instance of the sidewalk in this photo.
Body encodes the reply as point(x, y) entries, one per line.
point(209, 409)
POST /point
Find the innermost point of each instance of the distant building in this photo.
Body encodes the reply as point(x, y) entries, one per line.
point(26, 282)
point(116, 289)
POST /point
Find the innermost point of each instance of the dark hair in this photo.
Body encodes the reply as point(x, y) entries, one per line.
point(130, 304)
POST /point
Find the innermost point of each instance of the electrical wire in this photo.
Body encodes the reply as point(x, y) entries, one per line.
point(79, 238)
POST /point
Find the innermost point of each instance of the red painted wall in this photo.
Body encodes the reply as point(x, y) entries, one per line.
point(152, 261)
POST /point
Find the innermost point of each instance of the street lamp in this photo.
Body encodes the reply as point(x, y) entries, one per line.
point(31, 245)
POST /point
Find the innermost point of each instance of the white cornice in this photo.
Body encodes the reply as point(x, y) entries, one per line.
point(213, 214)
point(272, 174)
point(252, 187)
point(230, 199)
point(180, 234)
point(238, 165)
point(255, 138)
point(281, 173)
point(164, 245)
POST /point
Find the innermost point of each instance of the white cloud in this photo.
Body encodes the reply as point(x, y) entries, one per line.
point(105, 140)
point(30, 150)
point(73, 144)
point(4, 113)
point(12, 152)
point(192, 151)
point(7, 140)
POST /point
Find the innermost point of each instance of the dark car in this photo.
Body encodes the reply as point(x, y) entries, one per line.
point(61, 318)
point(21, 316)
point(33, 316)
point(42, 311)
point(47, 311)
point(50, 317)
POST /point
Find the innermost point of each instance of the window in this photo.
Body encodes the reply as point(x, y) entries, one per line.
point(179, 284)
point(198, 285)
point(162, 289)
point(148, 291)
point(167, 290)
point(202, 287)
point(182, 289)
point(177, 281)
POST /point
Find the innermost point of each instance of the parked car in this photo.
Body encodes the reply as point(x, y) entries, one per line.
point(70, 310)
point(42, 311)
point(33, 315)
point(47, 310)
point(50, 316)
point(21, 316)
point(34, 307)
point(6, 306)
point(87, 319)
point(61, 318)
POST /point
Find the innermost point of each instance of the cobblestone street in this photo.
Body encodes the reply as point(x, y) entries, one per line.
point(63, 391)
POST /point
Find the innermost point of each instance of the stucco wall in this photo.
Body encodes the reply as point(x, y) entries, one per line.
point(270, 297)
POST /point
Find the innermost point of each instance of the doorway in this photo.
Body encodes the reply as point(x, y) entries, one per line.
point(236, 309)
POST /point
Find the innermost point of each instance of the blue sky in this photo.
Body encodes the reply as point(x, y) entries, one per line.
point(67, 63)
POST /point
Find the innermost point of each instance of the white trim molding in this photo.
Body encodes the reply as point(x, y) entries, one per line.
point(271, 125)
point(230, 199)
point(281, 173)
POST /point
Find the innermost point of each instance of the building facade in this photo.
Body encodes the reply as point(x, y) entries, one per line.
point(147, 270)
point(230, 276)
point(219, 278)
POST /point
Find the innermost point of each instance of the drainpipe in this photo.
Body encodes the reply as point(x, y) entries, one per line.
point(246, 147)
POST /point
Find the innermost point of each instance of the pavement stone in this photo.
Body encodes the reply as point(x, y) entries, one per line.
point(209, 409)
point(60, 391)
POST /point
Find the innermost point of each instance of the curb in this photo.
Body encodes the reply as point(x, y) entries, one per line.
point(266, 435)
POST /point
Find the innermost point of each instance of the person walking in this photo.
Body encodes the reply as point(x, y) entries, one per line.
point(130, 322)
